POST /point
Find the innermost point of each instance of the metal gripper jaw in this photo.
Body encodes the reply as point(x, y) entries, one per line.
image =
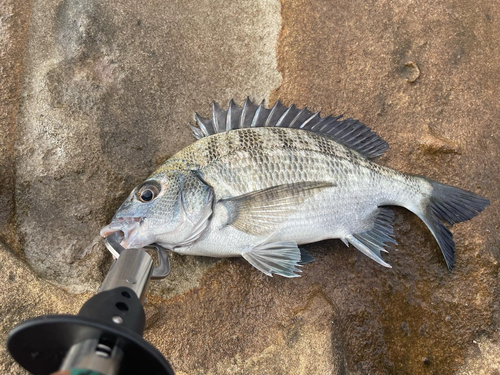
point(112, 243)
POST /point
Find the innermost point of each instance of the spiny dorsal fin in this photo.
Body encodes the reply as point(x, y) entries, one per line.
point(349, 132)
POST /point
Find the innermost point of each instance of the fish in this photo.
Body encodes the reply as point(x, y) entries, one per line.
point(261, 182)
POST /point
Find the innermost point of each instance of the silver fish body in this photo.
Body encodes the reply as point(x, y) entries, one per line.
point(260, 182)
point(350, 187)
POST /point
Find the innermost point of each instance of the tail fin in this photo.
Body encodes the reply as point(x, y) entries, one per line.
point(452, 205)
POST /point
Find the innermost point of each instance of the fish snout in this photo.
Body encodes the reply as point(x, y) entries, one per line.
point(110, 229)
point(128, 228)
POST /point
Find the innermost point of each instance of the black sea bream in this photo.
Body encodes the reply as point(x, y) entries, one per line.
point(260, 182)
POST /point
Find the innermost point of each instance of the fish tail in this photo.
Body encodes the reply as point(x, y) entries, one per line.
point(451, 205)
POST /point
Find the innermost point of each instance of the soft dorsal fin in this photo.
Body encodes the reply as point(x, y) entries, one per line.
point(349, 132)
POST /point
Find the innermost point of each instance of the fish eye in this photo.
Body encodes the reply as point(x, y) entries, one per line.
point(148, 191)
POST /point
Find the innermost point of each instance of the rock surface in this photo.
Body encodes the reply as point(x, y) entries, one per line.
point(106, 91)
point(358, 58)
point(24, 295)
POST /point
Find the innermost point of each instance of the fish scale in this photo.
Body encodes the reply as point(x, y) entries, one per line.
point(257, 159)
point(270, 164)
point(260, 182)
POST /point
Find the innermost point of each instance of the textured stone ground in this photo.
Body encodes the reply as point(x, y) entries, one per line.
point(94, 95)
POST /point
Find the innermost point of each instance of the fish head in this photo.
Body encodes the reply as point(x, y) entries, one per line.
point(170, 209)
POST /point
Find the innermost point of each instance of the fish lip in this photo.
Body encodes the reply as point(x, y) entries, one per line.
point(109, 230)
point(127, 226)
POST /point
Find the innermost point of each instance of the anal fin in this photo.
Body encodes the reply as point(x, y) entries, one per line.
point(280, 258)
point(374, 241)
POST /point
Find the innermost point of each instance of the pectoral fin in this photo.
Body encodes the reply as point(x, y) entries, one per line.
point(260, 212)
point(280, 258)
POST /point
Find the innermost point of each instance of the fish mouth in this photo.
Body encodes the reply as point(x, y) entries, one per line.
point(127, 227)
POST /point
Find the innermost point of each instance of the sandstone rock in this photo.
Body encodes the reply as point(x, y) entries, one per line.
point(24, 295)
point(350, 57)
point(483, 358)
point(109, 89)
point(13, 29)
